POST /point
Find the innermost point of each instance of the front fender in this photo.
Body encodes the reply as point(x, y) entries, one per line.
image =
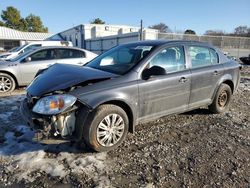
point(120, 95)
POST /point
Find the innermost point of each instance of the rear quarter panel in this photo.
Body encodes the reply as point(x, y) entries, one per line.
point(232, 72)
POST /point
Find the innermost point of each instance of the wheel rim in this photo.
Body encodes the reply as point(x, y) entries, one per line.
point(110, 130)
point(222, 100)
point(5, 84)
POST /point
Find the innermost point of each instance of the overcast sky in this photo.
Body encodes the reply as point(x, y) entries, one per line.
point(199, 15)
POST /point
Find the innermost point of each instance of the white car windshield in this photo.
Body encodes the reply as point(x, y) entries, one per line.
point(21, 56)
point(18, 48)
point(13, 49)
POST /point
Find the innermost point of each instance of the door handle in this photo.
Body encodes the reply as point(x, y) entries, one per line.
point(80, 63)
point(216, 73)
point(183, 80)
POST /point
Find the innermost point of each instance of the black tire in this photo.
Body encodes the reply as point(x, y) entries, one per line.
point(93, 124)
point(221, 100)
point(7, 83)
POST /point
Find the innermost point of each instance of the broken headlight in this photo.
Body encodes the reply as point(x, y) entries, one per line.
point(54, 104)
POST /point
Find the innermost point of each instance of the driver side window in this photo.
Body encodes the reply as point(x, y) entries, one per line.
point(172, 59)
point(41, 55)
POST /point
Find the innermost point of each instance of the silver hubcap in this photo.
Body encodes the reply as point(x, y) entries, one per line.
point(5, 84)
point(110, 130)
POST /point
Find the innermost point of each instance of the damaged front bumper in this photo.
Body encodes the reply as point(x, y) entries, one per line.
point(66, 126)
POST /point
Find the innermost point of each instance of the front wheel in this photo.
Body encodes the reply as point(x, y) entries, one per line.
point(106, 128)
point(7, 83)
point(222, 99)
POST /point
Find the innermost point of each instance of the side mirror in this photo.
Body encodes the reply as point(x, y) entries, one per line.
point(27, 59)
point(153, 71)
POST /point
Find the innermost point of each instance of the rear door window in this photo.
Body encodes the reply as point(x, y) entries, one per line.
point(68, 54)
point(202, 56)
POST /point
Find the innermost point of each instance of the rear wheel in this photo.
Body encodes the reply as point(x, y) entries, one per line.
point(222, 99)
point(106, 128)
point(7, 83)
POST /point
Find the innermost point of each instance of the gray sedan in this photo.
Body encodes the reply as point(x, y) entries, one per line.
point(21, 70)
point(101, 102)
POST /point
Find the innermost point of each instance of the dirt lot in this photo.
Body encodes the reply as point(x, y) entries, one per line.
point(194, 149)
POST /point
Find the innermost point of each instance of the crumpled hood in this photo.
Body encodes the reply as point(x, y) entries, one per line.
point(62, 76)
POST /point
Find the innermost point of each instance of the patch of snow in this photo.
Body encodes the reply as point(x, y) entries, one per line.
point(11, 99)
point(14, 108)
point(4, 117)
point(29, 156)
point(26, 156)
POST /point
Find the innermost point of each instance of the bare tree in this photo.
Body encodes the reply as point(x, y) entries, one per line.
point(241, 30)
point(161, 27)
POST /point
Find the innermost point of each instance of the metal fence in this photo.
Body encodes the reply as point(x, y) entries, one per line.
point(235, 46)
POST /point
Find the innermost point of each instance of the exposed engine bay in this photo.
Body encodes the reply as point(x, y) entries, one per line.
point(61, 126)
point(55, 127)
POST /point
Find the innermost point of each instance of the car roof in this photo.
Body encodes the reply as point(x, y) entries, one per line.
point(31, 51)
point(165, 42)
point(58, 47)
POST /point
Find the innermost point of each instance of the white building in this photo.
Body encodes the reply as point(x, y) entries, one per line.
point(78, 34)
point(10, 38)
point(81, 35)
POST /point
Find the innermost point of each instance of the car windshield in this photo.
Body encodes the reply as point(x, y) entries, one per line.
point(18, 48)
point(21, 56)
point(13, 49)
point(120, 59)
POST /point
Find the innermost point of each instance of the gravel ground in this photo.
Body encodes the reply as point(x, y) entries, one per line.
point(194, 149)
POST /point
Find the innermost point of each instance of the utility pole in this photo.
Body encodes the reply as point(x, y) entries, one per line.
point(141, 30)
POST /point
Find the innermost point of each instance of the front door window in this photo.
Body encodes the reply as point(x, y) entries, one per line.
point(172, 59)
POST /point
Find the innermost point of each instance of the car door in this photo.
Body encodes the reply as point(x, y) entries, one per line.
point(71, 56)
point(29, 66)
point(169, 93)
point(205, 71)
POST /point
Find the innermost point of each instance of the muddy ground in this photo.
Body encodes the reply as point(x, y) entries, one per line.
point(194, 149)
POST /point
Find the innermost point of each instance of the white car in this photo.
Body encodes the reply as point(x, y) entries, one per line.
point(14, 52)
point(21, 70)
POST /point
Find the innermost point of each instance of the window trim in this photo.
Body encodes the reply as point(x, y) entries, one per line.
point(217, 55)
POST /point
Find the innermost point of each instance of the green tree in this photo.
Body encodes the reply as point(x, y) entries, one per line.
point(11, 17)
point(2, 24)
point(23, 25)
point(161, 27)
point(190, 31)
point(35, 24)
point(97, 21)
